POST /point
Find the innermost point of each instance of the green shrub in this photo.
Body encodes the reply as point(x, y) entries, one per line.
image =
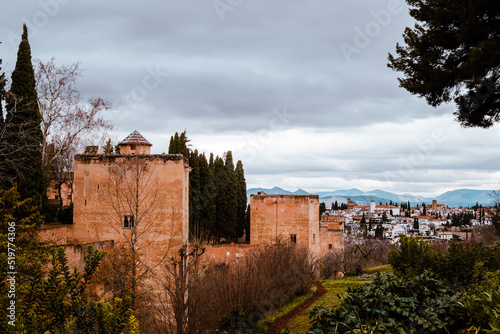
point(461, 265)
point(392, 304)
point(412, 257)
point(481, 304)
point(236, 322)
point(465, 264)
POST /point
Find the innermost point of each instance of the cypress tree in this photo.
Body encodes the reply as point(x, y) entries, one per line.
point(175, 145)
point(2, 92)
point(416, 224)
point(322, 208)
point(231, 197)
point(179, 144)
point(183, 144)
point(220, 202)
point(194, 196)
point(206, 198)
point(379, 231)
point(211, 162)
point(210, 197)
point(171, 145)
point(241, 199)
point(363, 221)
point(24, 119)
point(217, 193)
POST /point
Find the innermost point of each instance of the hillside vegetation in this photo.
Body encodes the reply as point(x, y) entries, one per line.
point(431, 291)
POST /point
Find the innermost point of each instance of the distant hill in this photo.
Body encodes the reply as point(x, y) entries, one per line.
point(301, 192)
point(273, 191)
point(460, 197)
point(465, 197)
point(343, 193)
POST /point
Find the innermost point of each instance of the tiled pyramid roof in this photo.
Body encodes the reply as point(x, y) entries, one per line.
point(135, 138)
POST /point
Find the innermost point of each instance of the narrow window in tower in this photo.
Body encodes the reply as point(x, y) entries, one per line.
point(128, 221)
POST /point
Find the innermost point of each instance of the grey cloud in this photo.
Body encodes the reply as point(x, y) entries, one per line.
point(226, 78)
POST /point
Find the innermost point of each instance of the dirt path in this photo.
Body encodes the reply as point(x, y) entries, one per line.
point(280, 323)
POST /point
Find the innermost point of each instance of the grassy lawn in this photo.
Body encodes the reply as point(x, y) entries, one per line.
point(335, 287)
point(331, 299)
point(268, 321)
point(385, 268)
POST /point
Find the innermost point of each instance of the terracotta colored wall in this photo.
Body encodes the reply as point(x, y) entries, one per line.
point(334, 237)
point(279, 216)
point(76, 253)
point(61, 234)
point(136, 149)
point(228, 252)
point(95, 219)
point(331, 233)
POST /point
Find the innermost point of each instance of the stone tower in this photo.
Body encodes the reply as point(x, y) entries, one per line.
point(105, 209)
point(292, 218)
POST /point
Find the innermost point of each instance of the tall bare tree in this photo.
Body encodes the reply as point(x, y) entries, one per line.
point(67, 120)
point(180, 308)
point(141, 214)
point(2, 91)
point(495, 212)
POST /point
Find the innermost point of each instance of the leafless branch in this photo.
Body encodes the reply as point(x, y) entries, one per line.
point(66, 119)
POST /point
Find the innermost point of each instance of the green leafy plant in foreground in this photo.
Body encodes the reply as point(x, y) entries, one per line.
point(392, 304)
point(462, 264)
point(481, 304)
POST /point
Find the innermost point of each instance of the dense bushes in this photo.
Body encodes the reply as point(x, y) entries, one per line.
point(481, 304)
point(255, 285)
point(233, 296)
point(435, 290)
point(461, 264)
point(357, 254)
point(54, 298)
point(392, 304)
point(411, 257)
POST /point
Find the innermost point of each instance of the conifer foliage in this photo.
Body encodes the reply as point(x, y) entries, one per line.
point(217, 193)
point(2, 92)
point(49, 295)
point(22, 141)
point(452, 54)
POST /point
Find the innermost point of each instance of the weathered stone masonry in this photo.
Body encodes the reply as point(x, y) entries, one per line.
point(285, 217)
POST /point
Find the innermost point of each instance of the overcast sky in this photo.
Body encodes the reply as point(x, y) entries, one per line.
point(298, 90)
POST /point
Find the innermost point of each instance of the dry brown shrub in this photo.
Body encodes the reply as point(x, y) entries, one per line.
point(243, 290)
point(114, 281)
point(440, 246)
point(331, 264)
point(485, 234)
point(365, 253)
point(357, 254)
